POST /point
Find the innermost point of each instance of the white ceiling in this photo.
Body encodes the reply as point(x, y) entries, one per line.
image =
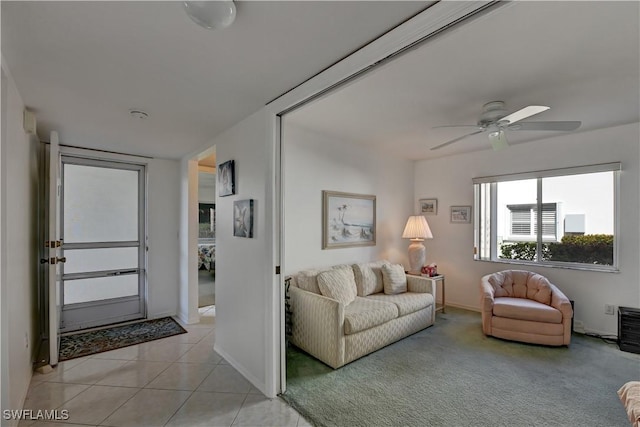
point(82, 65)
point(580, 58)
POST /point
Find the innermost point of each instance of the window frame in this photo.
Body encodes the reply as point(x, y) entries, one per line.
point(485, 202)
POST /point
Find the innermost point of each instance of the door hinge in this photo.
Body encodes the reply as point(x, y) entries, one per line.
point(277, 269)
point(54, 244)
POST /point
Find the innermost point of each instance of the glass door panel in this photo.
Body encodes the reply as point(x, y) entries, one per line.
point(102, 288)
point(100, 204)
point(104, 242)
point(86, 260)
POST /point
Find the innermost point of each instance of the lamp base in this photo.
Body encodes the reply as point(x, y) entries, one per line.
point(417, 256)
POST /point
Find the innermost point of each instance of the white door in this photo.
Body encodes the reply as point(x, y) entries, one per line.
point(103, 228)
point(54, 244)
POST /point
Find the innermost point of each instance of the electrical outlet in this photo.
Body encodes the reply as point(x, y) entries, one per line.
point(609, 309)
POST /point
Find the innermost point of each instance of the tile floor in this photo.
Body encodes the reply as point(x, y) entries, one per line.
point(175, 381)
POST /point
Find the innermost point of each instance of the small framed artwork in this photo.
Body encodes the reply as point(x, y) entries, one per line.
point(243, 218)
point(226, 178)
point(461, 214)
point(348, 220)
point(428, 206)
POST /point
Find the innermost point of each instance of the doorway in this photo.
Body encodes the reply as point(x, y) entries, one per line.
point(207, 230)
point(103, 227)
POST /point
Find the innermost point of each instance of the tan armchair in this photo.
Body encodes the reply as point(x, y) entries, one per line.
point(523, 306)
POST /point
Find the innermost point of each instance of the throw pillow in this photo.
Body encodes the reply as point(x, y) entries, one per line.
point(338, 284)
point(394, 279)
point(369, 277)
point(307, 281)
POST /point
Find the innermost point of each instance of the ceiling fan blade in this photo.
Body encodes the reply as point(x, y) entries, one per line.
point(498, 140)
point(565, 126)
point(456, 139)
point(457, 126)
point(529, 111)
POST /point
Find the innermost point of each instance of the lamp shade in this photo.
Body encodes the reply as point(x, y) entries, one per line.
point(417, 228)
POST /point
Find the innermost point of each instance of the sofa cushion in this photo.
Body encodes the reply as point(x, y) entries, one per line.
point(525, 309)
point(369, 277)
point(307, 280)
point(338, 284)
point(407, 303)
point(394, 279)
point(365, 313)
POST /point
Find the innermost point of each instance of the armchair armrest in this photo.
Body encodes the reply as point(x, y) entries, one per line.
point(421, 285)
point(559, 301)
point(318, 326)
point(487, 294)
point(487, 298)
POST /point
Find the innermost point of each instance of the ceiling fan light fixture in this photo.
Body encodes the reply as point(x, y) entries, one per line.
point(211, 15)
point(498, 140)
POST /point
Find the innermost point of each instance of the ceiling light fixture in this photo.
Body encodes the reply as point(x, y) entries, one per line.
point(211, 14)
point(138, 114)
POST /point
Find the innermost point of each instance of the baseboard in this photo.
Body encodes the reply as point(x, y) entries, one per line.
point(464, 307)
point(251, 378)
point(184, 318)
point(161, 315)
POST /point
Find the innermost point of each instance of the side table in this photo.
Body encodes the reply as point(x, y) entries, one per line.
point(435, 280)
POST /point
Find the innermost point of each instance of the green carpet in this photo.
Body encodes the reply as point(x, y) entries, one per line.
point(452, 375)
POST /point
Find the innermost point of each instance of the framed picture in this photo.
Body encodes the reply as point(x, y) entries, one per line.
point(429, 206)
point(461, 214)
point(226, 178)
point(348, 220)
point(243, 218)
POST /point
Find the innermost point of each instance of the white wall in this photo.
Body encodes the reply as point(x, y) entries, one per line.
point(314, 162)
point(449, 179)
point(163, 179)
point(19, 248)
point(206, 187)
point(244, 266)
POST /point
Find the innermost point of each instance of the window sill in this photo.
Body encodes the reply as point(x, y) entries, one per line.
point(581, 267)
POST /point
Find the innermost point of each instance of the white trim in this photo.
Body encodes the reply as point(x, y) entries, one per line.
point(574, 170)
point(427, 23)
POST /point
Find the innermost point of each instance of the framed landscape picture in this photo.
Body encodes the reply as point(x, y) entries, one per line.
point(226, 178)
point(428, 206)
point(348, 220)
point(461, 214)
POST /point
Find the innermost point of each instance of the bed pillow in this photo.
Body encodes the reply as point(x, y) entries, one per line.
point(394, 279)
point(338, 284)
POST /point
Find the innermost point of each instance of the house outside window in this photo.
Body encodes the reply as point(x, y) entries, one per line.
point(523, 221)
point(576, 229)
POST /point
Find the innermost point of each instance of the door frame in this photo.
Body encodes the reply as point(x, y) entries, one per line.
point(141, 298)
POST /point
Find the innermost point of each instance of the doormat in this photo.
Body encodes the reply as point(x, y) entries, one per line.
point(86, 343)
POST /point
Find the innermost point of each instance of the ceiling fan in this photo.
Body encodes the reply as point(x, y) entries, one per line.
point(495, 119)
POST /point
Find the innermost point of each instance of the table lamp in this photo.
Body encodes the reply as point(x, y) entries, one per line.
point(417, 230)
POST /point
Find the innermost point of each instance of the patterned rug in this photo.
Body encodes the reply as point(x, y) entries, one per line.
point(86, 343)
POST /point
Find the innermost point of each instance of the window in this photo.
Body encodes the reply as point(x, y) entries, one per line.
point(577, 225)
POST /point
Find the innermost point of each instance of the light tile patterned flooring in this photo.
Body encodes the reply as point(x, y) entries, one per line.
point(175, 381)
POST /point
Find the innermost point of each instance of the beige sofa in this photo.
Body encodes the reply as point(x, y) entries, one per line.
point(523, 306)
point(336, 332)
